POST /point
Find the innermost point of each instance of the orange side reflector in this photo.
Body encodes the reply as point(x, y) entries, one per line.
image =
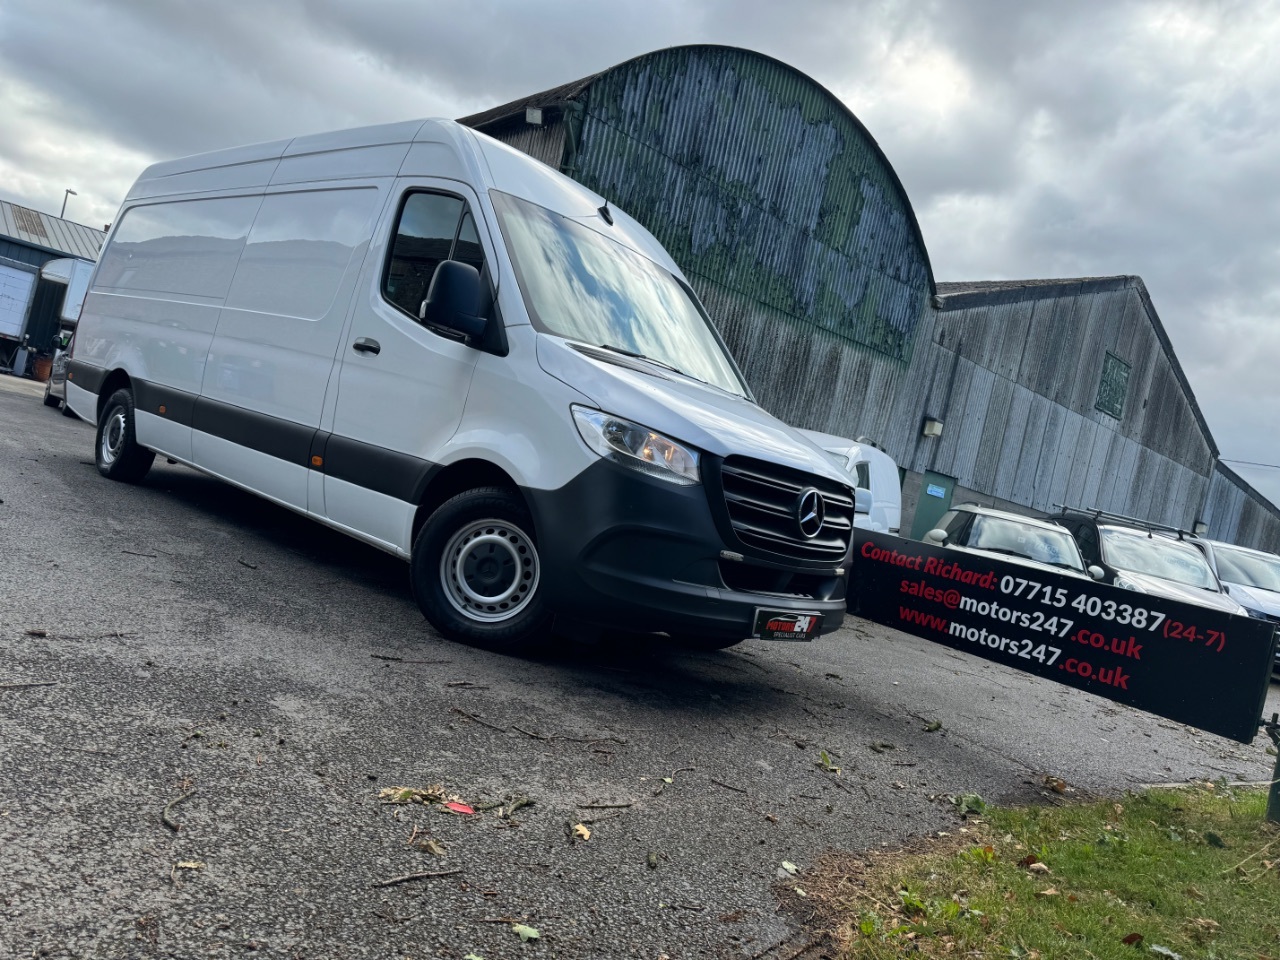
point(317, 461)
point(162, 408)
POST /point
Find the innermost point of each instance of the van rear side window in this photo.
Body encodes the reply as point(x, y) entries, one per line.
point(432, 227)
point(189, 248)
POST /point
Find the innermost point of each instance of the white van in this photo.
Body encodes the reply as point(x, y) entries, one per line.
point(871, 469)
point(434, 343)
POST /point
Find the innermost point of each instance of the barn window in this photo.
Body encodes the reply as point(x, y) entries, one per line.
point(1113, 387)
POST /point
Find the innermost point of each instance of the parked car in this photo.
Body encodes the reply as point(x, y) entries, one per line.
point(872, 469)
point(55, 388)
point(1010, 536)
point(1252, 577)
point(1147, 558)
point(432, 342)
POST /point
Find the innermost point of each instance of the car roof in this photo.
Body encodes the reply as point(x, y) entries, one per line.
point(980, 510)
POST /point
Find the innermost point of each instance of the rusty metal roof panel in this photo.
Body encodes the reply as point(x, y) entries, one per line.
point(36, 229)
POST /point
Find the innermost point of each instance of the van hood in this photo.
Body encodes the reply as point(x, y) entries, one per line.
point(1255, 598)
point(683, 409)
point(1184, 592)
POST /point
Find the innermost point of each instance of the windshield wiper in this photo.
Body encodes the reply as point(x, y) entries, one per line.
point(640, 356)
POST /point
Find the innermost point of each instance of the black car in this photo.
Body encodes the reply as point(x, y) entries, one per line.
point(1146, 558)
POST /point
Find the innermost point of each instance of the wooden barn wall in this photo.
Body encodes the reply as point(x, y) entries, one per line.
point(1015, 381)
point(1237, 513)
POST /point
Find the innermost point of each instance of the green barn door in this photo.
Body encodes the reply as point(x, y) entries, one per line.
point(935, 500)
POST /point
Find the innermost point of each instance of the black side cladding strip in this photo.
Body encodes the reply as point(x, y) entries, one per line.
point(86, 376)
point(398, 475)
point(257, 431)
point(179, 406)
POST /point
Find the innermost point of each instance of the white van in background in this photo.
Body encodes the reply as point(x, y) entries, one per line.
point(434, 343)
point(872, 469)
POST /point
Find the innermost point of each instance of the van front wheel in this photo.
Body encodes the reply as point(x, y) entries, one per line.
point(476, 571)
point(117, 452)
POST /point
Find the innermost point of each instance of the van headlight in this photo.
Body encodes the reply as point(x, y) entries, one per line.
point(1124, 583)
point(637, 447)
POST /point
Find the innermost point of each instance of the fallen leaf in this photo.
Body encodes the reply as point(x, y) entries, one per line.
point(1132, 940)
point(581, 832)
point(1214, 840)
point(472, 956)
point(430, 846)
point(933, 726)
point(652, 860)
point(1039, 867)
point(1160, 951)
point(899, 785)
point(191, 865)
point(880, 746)
point(1051, 892)
point(1056, 784)
point(1194, 894)
point(668, 780)
point(1028, 860)
point(771, 818)
point(424, 795)
point(790, 867)
point(801, 892)
point(524, 932)
point(461, 808)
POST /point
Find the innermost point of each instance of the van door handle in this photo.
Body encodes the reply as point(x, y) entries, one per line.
point(366, 345)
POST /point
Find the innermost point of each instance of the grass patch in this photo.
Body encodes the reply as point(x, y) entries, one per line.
point(1192, 873)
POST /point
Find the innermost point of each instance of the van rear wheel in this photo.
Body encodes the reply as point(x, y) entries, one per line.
point(476, 572)
point(116, 451)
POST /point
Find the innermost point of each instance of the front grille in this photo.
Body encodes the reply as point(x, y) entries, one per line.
point(762, 499)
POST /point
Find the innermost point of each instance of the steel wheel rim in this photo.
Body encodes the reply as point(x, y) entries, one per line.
point(490, 570)
point(113, 436)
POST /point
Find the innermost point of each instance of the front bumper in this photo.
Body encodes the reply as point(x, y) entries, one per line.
point(623, 550)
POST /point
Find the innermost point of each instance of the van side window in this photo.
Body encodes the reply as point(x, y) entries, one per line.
point(433, 227)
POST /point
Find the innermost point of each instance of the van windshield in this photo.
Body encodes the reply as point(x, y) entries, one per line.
point(579, 284)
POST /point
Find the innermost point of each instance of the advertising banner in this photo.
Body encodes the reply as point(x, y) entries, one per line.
point(1191, 664)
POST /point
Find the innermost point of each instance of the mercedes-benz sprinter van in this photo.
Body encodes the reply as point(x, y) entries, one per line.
point(444, 348)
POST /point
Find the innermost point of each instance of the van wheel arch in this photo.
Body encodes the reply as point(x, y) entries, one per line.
point(457, 478)
point(116, 380)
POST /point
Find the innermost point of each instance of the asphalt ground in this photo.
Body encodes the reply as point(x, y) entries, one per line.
point(198, 655)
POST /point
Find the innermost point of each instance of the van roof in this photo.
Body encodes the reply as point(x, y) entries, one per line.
point(435, 147)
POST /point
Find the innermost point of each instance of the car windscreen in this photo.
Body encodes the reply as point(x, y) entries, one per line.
point(1000, 535)
point(579, 284)
point(1156, 557)
point(1250, 569)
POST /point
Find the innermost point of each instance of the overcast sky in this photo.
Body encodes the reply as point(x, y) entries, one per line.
point(1035, 139)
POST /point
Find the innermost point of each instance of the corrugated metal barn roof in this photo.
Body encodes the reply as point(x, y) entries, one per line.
point(49, 233)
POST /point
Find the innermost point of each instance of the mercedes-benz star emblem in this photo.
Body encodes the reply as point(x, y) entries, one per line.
point(811, 511)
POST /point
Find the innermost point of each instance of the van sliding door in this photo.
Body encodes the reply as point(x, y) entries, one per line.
point(273, 351)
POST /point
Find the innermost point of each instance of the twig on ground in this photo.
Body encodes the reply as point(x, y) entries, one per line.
point(134, 553)
point(246, 563)
point(1252, 855)
point(379, 656)
point(479, 720)
point(410, 877)
point(603, 806)
point(727, 786)
point(24, 686)
point(164, 814)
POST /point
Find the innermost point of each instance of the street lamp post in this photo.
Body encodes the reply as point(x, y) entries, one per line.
point(69, 193)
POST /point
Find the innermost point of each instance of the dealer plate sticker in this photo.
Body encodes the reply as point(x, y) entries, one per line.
point(785, 625)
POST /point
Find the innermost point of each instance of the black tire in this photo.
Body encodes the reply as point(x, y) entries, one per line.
point(695, 641)
point(115, 448)
point(476, 572)
point(68, 412)
point(49, 399)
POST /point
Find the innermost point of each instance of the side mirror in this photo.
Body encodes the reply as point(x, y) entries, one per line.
point(936, 536)
point(861, 500)
point(453, 300)
point(57, 343)
point(1096, 571)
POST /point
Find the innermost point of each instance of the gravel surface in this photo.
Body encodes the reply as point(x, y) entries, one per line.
point(192, 653)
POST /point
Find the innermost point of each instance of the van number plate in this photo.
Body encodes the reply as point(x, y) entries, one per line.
point(786, 625)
